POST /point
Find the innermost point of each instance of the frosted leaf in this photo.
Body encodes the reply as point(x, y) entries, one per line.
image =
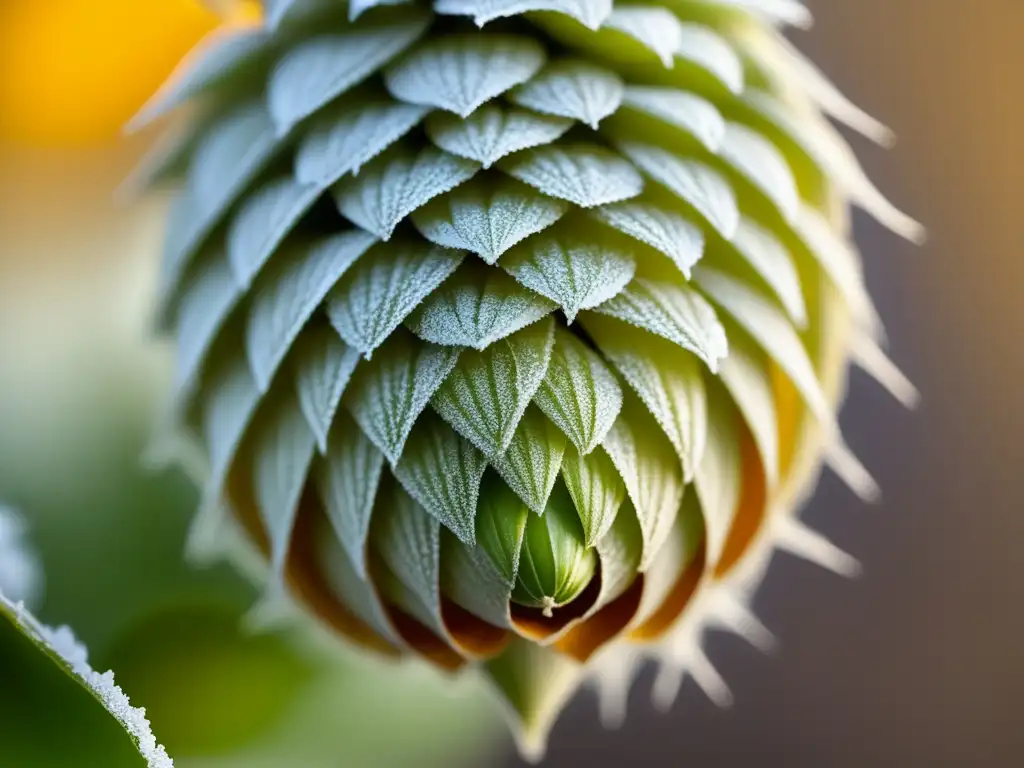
point(231, 154)
point(408, 541)
point(576, 274)
point(656, 28)
point(476, 307)
point(774, 263)
point(471, 579)
point(579, 393)
point(340, 142)
point(262, 222)
point(322, 68)
point(589, 13)
point(388, 393)
point(596, 488)
point(443, 472)
point(620, 549)
point(840, 261)
point(530, 465)
point(323, 365)
point(283, 447)
point(777, 11)
point(357, 8)
point(712, 53)
point(666, 231)
point(652, 475)
point(459, 73)
point(21, 575)
point(347, 477)
point(692, 182)
point(486, 395)
point(64, 650)
point(492, 132)
point(773, 332)
point(165, 159)
point(584, 174)
point(396, 184)
point(207, 299)
point(572, 88)
point(719, 479)
point(674, 312)
point(763, 165)
point(230, 400)
point(669, 383)
point(288, 292)
point(217, 58)
point(745, 373)
point(373, 299)
point(487, 216)
point(688, 112)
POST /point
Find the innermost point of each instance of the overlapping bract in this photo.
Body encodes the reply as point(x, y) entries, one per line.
point(514, 330)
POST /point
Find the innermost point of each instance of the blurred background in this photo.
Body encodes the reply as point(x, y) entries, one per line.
point(918, 663)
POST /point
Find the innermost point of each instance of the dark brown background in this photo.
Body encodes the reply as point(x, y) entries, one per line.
point(920, 662)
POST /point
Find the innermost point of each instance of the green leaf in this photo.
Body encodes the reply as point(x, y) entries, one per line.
point(442, 472)
point(762, 164)
point(207, 299)
point(459, 73)
point(665, 231)
point(492, 132)
point(343, 140)
point(778, 11)
point(357, 8)
point(596, 488)
point(688, 112)
point(579, 394)
point(487, 216)
point(651, 472)
point(572, 88)
point(669, 383)
point(374, 298)
point(590, 13)
point(323, 365)
point(654, 27)
point(555, 563)
point(620, 549)
point(287, 293)
point(396, 184)
point(745, 374)
point(408, 540)
point(470, 580)
point(584, 174)
point(283, 447)
point(692, 182)
point(389, 392)
point(322, 68)
point(759, 317)
point(712, 53)
point(674, 312)
point(534, 456)
point(64, 650)
point(262, 222)
point(347, 477)
point(476, 307)
point(218, 58)
point(573, 272)
point(486, 394)
point(501, 524)
point(719, 479)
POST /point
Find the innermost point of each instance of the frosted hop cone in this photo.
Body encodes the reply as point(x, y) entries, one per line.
point(513, 331)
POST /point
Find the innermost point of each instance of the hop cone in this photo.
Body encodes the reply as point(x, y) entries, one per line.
point(513, 331)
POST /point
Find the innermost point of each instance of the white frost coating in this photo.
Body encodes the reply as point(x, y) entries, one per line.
point(654, 27)
point(574, 89)
point(20, 573)
point(590, 13)
point(62, 644)
point(680, 109)
point(585, 174)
